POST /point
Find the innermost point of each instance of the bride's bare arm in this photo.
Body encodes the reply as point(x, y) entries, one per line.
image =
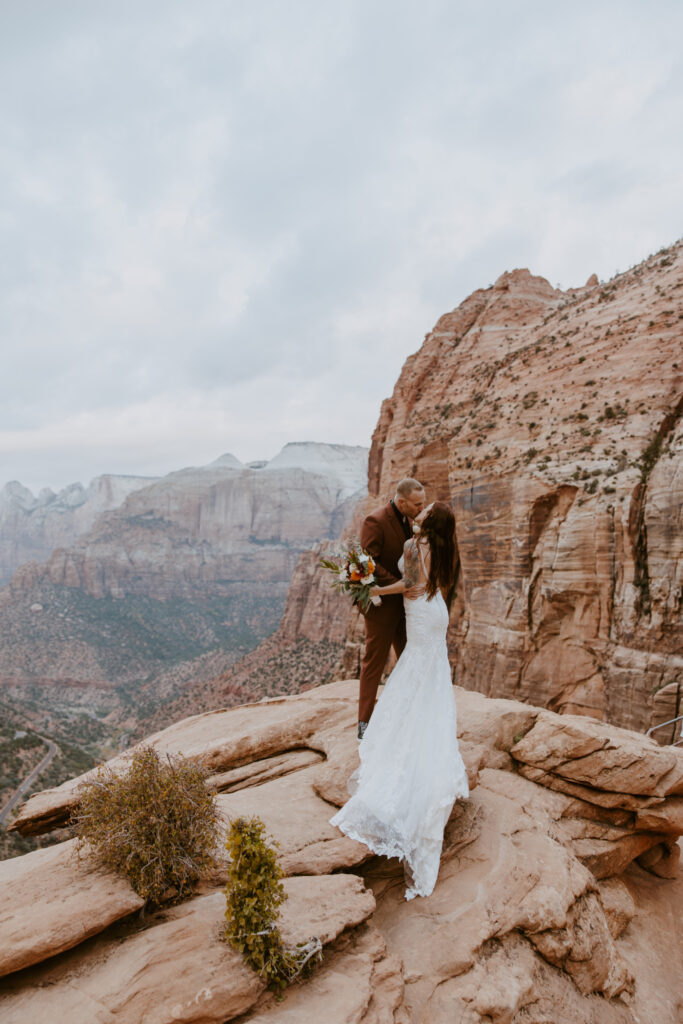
point(412, 575)
point(411, 564)
point(393, 588)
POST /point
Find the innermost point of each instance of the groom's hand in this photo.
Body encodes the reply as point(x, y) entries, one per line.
point(414, 592)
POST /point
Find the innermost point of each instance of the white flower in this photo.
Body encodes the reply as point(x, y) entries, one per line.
point(367, 579)
point(376, 599)
point(353, 567)
point(343, 576)
point(364, 558)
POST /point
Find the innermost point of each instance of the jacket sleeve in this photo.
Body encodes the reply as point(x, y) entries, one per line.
point(372, 541)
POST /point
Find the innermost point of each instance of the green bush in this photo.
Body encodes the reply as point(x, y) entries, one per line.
point(650, 455)
point(254, 893)
point(156, 823)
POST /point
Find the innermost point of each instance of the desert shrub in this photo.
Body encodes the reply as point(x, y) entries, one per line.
point(254, 893)
point(650, 455)
point(156, 823)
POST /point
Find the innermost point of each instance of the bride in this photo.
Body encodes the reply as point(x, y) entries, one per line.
point(411, 771)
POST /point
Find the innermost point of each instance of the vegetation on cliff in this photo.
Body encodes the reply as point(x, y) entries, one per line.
point(253, 895)
point(156, 823)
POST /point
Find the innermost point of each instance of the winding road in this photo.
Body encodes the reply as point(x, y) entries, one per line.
point(24, 787)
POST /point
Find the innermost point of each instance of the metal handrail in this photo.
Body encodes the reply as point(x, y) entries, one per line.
point(672, 721)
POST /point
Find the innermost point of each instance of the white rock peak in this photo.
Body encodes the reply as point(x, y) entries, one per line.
point(346, 463)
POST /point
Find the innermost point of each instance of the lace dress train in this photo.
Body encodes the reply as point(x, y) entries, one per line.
point(411, 771)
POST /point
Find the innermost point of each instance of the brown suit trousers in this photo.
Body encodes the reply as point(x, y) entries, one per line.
point(383, 536)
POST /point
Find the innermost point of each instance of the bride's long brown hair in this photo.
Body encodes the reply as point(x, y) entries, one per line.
point(438, 527)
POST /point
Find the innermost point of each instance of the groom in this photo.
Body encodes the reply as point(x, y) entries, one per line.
point(383, 534)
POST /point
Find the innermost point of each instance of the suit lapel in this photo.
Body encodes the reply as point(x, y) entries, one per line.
point(398, 529)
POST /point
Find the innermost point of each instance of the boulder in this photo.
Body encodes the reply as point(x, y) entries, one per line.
point(54, 899)
point(299, 821)
point(601, 756)
point(177, 969)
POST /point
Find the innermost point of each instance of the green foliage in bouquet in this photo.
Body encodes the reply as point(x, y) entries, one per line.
point(254, 893)
point(156, 823)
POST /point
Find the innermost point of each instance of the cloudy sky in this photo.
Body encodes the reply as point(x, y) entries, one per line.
point(224, 225)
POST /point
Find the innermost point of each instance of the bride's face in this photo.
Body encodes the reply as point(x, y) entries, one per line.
point(419, 519)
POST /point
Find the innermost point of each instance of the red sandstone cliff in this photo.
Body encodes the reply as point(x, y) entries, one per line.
point(552, 422)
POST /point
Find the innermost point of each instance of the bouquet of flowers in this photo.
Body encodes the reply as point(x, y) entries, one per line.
point(354, 572)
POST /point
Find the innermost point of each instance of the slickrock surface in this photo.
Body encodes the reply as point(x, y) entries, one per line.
point(52, 900)
point(178, 969)
point(219, 740)
point(558, 899)
point(298, 820)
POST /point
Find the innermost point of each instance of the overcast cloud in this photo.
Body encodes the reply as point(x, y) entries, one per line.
point(224, 225)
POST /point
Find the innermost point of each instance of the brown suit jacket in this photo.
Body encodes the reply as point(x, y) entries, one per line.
point(383, 537)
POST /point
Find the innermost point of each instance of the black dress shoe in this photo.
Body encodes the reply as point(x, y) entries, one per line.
point(362, 726)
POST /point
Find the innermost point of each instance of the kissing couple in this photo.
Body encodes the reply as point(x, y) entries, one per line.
point(411, 771)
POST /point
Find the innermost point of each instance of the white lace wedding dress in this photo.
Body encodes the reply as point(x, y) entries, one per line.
point(411, 771)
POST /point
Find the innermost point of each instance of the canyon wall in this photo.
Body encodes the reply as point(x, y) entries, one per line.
point(551, 421)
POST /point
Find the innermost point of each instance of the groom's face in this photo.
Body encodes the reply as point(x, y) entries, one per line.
point(412, 504)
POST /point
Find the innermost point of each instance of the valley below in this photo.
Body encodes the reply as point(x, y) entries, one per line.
point(160, 595)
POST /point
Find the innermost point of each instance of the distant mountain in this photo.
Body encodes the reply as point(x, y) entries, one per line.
point(168, 589)
point(32, 527)
point(195, 561)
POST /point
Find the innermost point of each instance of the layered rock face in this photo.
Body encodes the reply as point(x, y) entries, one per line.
point(551, 421)
point(198, 560)
point(557, 901)
point(31, 528)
